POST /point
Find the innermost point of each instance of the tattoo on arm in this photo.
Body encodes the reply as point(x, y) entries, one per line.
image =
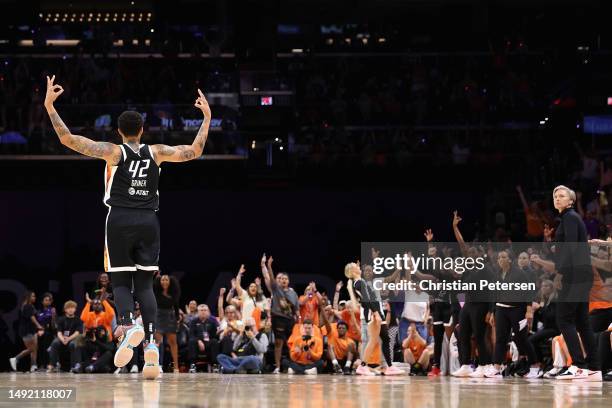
point(202, 135)
point(184, 152)
point(165, 151)
point(188, 154)
point(58, 124)
point(83, 145)
point(175, 153)
point(88, 147)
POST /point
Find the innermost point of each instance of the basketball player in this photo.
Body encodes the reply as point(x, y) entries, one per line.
point(378, 331)
point(131, 249)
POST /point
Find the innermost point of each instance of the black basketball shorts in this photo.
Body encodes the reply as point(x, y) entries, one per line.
point(131, 240)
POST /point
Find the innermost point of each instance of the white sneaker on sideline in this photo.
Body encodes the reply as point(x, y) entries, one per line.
point(276, 371)
point(478, 373)
point(134, 369)
point(534, 372)
point(572, 373)
point(289, 371)
point(13, 362)
point(492, 372)
point(364, 370)
point(33, 368)
point(311, 371)
point(464, 371)
point(594, 376)
point(552, 373)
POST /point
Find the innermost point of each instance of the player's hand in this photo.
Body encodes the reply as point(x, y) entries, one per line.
point(375, 253)
point(428, 235)
point(242, 269)
point(201, 345)
point(53, 91)
point(221, 292)
point(202, 104)
point(339, 286)
point(456, 219)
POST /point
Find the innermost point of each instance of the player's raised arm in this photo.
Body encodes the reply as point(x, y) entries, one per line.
point(183, 153)
point(101, 150)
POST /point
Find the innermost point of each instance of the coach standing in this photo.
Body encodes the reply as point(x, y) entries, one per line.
point(573, 265)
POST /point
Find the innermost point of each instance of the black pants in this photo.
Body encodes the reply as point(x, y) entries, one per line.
point(142, 284)
point(57, 346)
point(103, 362)
point(600, 319)
point(44, 342)
point(537, 338)
point(385, 340)
point(211, 349)
point(573, 318)
point(605, 354)
point(507, 321)
point(300, 368)
point(441, 313)
point(472, 321)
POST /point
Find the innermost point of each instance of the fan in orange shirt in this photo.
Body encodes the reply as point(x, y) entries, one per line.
point(415, 351)
point(309, 304)
point(341, 349)
point(305, 351)
point(98, 313)
point(353, 320)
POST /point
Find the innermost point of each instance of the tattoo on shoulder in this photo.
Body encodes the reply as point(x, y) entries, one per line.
point(116, 157)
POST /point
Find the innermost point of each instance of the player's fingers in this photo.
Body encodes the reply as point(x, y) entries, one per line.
point(59, 93)
point(52, 79)
point(48, 81)
point(200, 93)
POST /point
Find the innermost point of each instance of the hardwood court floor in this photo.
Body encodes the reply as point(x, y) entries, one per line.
point(216, 390)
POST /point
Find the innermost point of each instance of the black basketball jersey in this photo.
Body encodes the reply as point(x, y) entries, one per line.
point(134, 181)
point(368, 299)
